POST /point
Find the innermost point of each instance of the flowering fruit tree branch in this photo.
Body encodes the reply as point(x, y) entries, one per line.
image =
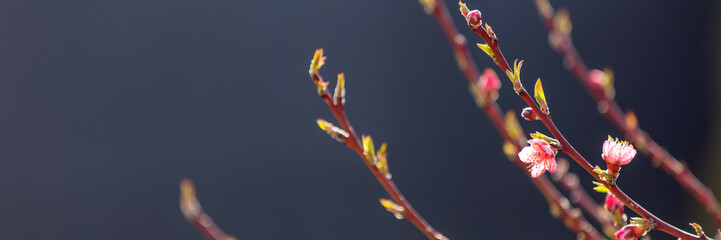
point(542, 113)
point(375, 161)
point(600, 87)
point(485, 92)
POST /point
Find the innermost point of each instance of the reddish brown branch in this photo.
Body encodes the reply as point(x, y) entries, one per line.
point(353, 142)
point(193, 212)
point(572, 217)
point(567, 148)
point(611, 110)
point(569, 181)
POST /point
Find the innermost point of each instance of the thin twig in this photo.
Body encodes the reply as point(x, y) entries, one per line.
point(353, 142)
point(571, 216)
point(566, 146)
point(193, 212)
point(611, 110)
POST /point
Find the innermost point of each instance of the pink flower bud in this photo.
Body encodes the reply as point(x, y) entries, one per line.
point(597, 78)
point(529, 114)
point(489, 82)
point(612, 204)
point(630, 232)
point(540, 155)
point(474, 19)
point(617, 153)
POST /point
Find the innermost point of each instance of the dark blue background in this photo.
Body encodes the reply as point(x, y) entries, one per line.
point(106, 105)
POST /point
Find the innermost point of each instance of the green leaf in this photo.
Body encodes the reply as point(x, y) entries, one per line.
point(541, 97)
point(600, 187)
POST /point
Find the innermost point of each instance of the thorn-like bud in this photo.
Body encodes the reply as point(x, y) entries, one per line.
point(698, 229)
point(491, 34)
point(381, 161)
point(339, 94)
point(189, 205)
point(529, 114)
point(334, 132)
point(515, 76)
point(541, 97)
point(429, 5)
point(397, 210)
point(463, 8)
point(369, 149)
point(317, 61)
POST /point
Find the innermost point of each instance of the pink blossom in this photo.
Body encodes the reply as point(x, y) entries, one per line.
point(629, 232)
point(612, 203)
point(540, 155)
point(617, 153)
point(489, 82)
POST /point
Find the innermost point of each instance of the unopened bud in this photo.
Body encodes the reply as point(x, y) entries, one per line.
point(489, 82)
point(474, 19)
point(529, 114)
point(612, 203)
point(638, 228)
point(398, 211)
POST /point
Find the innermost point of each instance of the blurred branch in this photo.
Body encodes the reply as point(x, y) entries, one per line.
point(193, 212)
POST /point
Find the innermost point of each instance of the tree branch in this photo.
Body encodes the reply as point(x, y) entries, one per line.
point(571, 216)
point(612, 111)
point(566, 147)
point(193, 212)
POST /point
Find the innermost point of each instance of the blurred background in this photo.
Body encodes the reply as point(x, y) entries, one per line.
point(106, 105)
